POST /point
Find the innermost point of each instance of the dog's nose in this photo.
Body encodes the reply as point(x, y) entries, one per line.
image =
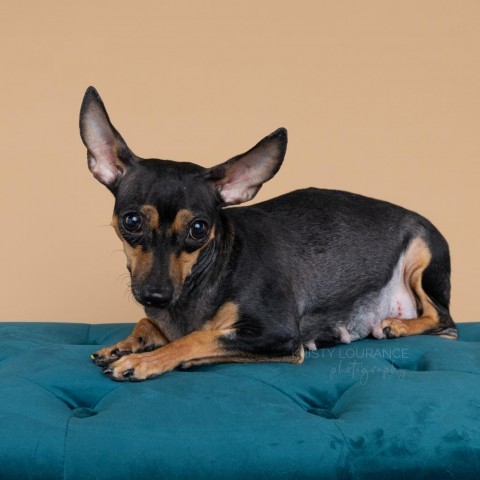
point(157, 298)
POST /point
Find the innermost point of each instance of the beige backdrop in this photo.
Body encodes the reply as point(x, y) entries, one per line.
point(380, 97)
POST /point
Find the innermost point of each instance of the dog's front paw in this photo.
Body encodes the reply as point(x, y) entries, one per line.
point(394, 327)
point(135, 368)
point(108, 355)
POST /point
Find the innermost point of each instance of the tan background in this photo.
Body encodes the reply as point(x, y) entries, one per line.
point(380, 98)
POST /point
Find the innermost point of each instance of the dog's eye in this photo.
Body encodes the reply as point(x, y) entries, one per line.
point(198, 229)
point(132, 222)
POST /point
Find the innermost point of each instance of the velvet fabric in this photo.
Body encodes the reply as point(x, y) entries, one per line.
point(374, 409)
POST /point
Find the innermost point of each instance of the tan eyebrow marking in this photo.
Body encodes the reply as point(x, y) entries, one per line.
point(151, 213)
point(182, 219)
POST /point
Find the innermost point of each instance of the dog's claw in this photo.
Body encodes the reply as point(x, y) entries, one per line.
point(103, 361)
point(116, 353)
point(99, 360)
point(128, 373)
point(388, 332)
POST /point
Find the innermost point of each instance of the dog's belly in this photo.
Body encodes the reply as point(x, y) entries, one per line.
point(395, 300)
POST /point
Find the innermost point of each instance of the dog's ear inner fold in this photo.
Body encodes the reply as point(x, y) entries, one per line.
point(108, 154)
point(240, 178)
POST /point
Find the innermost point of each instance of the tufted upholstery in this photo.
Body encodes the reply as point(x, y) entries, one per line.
point(405, 408)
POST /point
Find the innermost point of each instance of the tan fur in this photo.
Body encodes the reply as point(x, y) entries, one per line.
point(225, 318)
point(138, 261)
point(193, 346)
point(149, 332)
point(144, 334)
point(194, 349)
point(182, 219)
point(151, 214)
point(142, 263)
point(417, 259)
point(181, 266)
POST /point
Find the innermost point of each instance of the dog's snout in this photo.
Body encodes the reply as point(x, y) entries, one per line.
point(159, 298)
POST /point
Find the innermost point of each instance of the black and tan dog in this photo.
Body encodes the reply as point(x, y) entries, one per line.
point(261, 283)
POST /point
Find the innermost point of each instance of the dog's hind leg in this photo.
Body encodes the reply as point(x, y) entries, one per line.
point(145, 337)
point(428, 278)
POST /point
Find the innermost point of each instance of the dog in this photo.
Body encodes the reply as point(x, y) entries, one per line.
point(263, 283)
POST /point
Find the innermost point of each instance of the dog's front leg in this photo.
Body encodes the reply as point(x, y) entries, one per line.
point(196, 345)
point(196, 348)
point(219, 341)
point(145, 337)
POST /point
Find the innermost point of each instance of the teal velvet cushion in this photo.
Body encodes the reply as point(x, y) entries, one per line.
point(374, 409)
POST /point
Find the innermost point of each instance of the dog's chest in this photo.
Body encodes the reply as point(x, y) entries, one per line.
point(175, 324)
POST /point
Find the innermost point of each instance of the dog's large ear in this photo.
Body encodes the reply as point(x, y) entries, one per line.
point(107, 153)
point(240, 178)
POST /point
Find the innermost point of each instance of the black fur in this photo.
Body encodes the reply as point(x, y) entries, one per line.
point(298, 266)
point(295, 264)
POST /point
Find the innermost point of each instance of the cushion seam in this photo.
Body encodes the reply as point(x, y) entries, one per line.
point(65, 445)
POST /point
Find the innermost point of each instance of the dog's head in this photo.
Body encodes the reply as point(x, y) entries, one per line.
point(166, 213)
